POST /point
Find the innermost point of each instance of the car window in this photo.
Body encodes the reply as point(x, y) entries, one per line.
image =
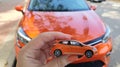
point(58, 5)
point(74, 43)
point(65, 42)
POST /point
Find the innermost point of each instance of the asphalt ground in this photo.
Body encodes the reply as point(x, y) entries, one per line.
point(108, 11)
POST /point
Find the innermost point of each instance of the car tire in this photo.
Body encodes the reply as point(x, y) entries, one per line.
point(57, 52)
point(14, 63)
point(89, 53)
point(92, 0)
point(99, 1)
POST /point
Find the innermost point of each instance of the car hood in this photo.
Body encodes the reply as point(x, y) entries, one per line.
point(82, 25)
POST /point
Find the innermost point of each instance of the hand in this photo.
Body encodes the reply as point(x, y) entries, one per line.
point(36, 52)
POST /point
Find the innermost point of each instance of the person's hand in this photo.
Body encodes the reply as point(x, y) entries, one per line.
point(36, 52)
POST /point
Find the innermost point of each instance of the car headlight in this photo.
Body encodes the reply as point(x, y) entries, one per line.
point(102, 39)
point(22, 37)
point(106, 37)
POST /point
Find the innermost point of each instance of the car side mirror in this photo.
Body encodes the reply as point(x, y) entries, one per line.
point(93, 7)
point(19, 8)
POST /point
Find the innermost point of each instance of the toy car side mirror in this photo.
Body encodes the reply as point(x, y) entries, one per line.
point(93, 7)
point(19, 8)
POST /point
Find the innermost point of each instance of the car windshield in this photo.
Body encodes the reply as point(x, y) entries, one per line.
point(58, 5)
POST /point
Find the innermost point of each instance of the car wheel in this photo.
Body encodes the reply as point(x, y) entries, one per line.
point(99, 1)
point(14, 63)
point(57, 52)
point(89, 53)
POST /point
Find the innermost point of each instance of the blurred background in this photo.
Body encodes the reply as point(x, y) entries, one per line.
point(108, 10)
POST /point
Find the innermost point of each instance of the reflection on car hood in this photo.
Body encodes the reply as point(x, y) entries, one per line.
point(82, 25)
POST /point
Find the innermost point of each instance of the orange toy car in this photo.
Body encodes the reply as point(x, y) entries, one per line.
point(74, 17)
point(72, 47)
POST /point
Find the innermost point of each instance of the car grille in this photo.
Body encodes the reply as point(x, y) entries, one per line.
point(94, 41)
point(87, 64)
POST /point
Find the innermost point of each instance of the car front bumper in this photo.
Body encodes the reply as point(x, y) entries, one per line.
point(102, 56)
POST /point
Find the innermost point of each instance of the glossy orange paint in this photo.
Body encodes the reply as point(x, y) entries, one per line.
point(79, 24)
point(30, 21)
point(82, 25)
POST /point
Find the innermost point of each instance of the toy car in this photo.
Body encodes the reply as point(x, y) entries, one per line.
point(74, 17)
point(72, 47)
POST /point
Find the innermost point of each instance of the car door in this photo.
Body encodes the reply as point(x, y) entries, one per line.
point(76, 48)
point(66, 49)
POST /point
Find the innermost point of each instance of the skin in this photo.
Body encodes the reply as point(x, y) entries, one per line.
point(36, 52)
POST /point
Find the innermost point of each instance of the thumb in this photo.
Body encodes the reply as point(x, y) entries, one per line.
point(61, 61)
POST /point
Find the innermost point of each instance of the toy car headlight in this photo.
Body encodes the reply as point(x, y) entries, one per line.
point(107, 35)
point(21, 36)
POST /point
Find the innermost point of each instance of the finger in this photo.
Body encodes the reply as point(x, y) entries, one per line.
point(59, 62)
point(51, 36)
point(47, 37)
point(33, 48)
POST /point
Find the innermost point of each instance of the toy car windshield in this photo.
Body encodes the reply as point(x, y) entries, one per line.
point(71, 42)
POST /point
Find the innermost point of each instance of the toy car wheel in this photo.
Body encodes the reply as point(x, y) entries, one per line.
point(89, 53)
point(57, 52)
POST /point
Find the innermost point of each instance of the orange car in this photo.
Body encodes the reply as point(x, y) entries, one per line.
point(74, 17)
point(72, 47)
